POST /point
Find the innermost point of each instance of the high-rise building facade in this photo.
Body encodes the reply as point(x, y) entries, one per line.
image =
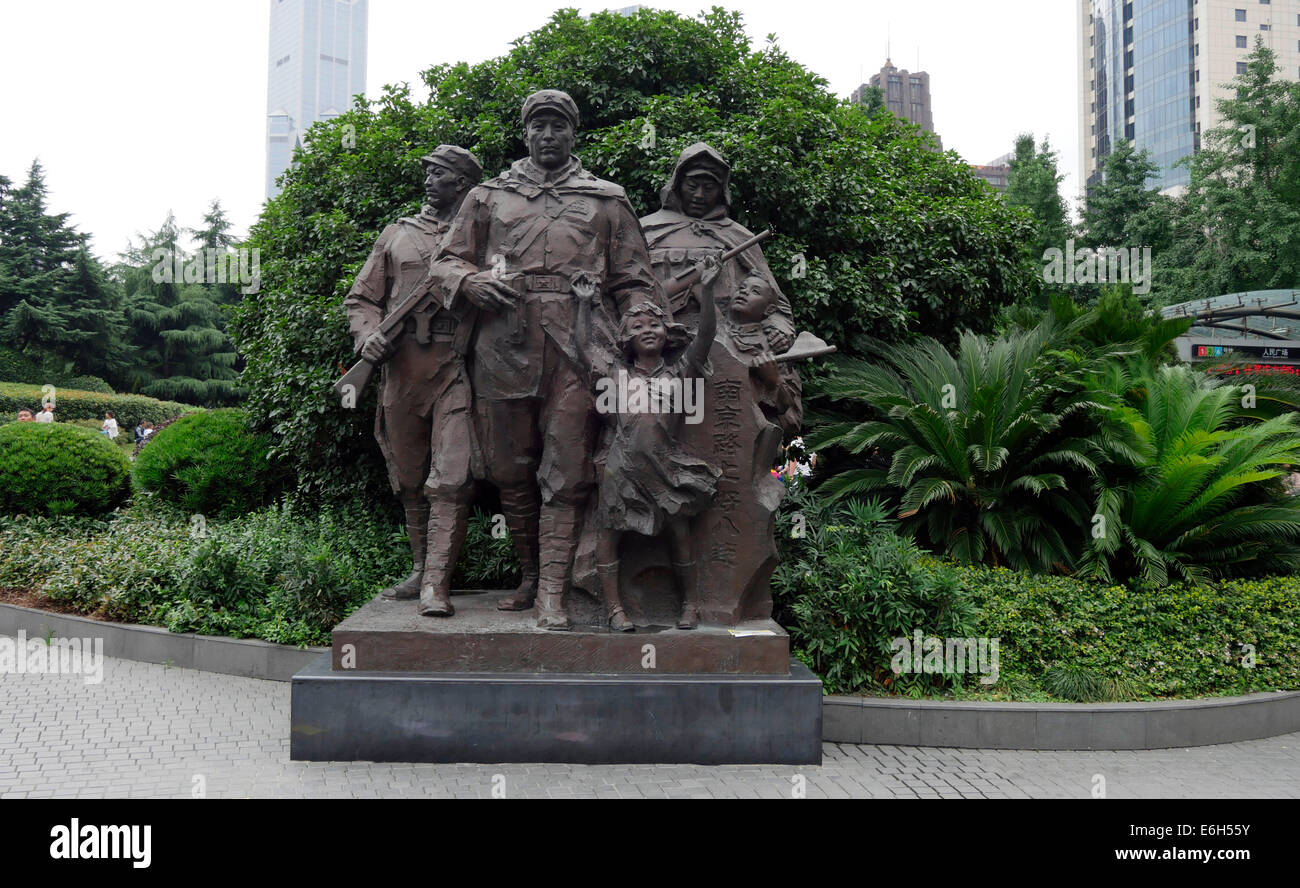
point(317, 63)
point(1150, 72)
point(906, 94)
point(996, 172)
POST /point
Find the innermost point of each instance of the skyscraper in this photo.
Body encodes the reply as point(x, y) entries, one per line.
point(996, 172)
point(906, 94)
point(1151, 70)
point(317, 63)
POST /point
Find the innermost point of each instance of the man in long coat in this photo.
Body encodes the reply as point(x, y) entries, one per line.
point(514, 251)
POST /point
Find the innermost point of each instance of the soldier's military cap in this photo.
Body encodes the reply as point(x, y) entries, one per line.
point(456, 159)
point(550, 100)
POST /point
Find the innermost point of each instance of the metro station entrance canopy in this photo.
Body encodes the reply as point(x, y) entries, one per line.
point(1261, 326)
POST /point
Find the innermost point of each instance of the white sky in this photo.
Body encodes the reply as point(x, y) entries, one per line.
point(139, 106)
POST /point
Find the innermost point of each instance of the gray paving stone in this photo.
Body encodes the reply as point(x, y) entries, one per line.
point(147, 730)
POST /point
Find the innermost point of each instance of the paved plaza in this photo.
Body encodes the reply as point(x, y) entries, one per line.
point(153, 731)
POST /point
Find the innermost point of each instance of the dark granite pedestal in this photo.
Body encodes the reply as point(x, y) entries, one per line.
point(589, 719)
point(490, 687)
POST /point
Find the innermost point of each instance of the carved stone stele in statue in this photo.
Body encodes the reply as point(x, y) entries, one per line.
point(423, 421)
point(513, 250)
point(754, 400)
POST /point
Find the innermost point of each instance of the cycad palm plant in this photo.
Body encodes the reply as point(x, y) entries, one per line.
point(1206, 498)
point(990, 451)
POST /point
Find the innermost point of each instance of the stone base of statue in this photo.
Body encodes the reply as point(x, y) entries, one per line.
point(489, 686)
point(389, 636)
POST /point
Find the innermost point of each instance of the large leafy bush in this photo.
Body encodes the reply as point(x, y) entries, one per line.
point(848, 586)
point(989, 451)
point(209, 463)
point(60, 469)
point(1204, 496)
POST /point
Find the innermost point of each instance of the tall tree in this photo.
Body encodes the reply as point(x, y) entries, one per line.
point(177, 324)
point(215, 233)
point(56, 300)
point(1238, 226)
point(1121, 211)
point(1034, 183)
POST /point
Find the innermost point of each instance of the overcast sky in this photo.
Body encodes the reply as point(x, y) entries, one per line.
point(136, 107)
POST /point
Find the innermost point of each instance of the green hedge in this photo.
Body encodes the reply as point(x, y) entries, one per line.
point(283, 574)
point(60, 469)
point(90, 384)
point(1179, 641)
point(70, 404)
point(846, 587)
point(209, 463)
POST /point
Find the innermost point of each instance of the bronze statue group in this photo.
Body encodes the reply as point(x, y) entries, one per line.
point(500, 312)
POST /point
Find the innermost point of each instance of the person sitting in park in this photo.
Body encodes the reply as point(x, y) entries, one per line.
point(46, 414)
point(109, 428)
point(25, 416)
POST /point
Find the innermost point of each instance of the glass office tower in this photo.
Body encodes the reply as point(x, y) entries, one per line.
point(1140, 84)
point(1150, 71)
point(316, 64)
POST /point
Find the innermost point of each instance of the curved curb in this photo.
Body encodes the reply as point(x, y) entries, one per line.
point(249, 658)
point(1152, 725)
point(862, 720)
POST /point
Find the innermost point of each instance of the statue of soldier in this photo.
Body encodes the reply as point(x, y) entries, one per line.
point(514, 250)
point(423, 422)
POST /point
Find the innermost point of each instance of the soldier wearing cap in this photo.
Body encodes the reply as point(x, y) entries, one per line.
point(423, 421)
point(513, 251)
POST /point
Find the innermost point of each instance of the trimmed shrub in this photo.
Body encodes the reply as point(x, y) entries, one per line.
point(60, 469)
point(90, 384)
point(209, 463)
point(70, 404)
point(846, 586)
point(1184, 640)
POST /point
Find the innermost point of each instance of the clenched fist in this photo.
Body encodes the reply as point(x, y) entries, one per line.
point(376, 348)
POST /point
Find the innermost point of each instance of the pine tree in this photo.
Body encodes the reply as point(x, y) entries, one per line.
point(178, 328)
point(59, 309)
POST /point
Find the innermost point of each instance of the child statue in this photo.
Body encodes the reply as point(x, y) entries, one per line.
point(649, 483)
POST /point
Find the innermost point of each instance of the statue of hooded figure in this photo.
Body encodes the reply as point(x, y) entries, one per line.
point(694, 223)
